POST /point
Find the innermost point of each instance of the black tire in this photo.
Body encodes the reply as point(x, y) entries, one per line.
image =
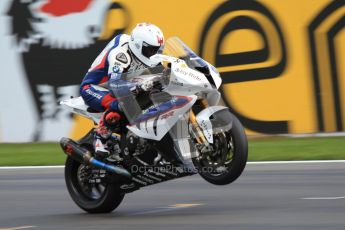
point(239, 158)
point(109, 200)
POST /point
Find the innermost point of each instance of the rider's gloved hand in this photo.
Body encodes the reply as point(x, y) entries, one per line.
point(147, 85)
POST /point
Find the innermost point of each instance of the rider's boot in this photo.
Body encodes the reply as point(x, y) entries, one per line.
point(103, 133)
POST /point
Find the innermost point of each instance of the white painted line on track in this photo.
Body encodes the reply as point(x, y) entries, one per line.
point(295, 162)
point(334, 134)
point(166, 209)
point(33, 167)
point(249, 163)
point(183, 205)
point(17, 228)
point(323, 198)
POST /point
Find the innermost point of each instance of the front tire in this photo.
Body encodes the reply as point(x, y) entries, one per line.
point(234, 166)
point(101, 199)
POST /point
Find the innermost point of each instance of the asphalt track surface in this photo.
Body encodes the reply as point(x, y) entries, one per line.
point(267, 196)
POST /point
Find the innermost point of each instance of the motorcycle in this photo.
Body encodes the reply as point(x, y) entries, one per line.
point(177, 129)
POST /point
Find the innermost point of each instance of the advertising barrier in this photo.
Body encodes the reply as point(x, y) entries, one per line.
point(282, 62)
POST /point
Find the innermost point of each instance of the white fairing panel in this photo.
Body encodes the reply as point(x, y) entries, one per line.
point(203, 119)
point(155, 128)
point(213, 98)
point(78, 106)
point(186, 81)
point(215, 75)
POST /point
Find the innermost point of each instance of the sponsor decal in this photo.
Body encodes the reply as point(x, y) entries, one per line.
point(121, 57)
point(127, 186)
point(183, 65)
point(116, 68)
point(96, 95)
point(177, 83)
point(145, 179)
point(160, 40)
point(206, 130)
point(139, 181)
point(188, 73)
point(152, 177)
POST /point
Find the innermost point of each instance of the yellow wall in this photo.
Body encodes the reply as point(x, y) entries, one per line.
point(288, 96)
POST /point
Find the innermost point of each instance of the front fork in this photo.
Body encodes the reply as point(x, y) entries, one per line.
point(198, 133)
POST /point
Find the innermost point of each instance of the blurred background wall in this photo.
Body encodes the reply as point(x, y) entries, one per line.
point(282, 62)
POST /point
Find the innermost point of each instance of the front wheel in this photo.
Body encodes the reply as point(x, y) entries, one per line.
point(87, 192)
point(228, 158)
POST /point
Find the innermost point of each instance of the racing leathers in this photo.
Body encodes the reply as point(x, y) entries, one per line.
point(116, 58)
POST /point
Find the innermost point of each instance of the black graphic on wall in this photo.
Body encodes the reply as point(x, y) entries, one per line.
point(55, 67)
point(329, 108)
point(248, 22)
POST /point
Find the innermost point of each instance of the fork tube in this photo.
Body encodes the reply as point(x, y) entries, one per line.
point(203, 103)
point(200, 135)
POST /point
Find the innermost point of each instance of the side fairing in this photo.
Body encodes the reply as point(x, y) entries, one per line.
point(155, 123)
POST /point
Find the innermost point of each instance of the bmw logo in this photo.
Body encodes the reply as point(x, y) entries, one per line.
point(116, 69)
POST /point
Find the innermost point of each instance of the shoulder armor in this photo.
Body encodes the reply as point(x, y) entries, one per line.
point(119, 57)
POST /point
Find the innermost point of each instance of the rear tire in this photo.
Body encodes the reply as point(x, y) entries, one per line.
point(239, 157)
point(108, 200)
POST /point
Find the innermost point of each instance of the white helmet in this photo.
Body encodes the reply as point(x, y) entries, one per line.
point(146, 40)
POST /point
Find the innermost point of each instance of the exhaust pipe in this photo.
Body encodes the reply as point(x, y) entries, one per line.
point(84, 156)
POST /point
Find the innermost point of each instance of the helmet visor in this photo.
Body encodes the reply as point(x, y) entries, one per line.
point(149, 50)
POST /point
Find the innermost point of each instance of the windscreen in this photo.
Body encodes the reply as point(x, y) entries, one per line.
point(176, 48)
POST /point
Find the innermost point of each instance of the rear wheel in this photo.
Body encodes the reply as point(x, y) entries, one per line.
point(87, 190)
point(226, 162)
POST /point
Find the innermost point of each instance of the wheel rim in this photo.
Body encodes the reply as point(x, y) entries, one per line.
point(220, 159)
point(90, 191)
point(231, 150)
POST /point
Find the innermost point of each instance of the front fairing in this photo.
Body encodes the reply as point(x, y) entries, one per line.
point(174, 47)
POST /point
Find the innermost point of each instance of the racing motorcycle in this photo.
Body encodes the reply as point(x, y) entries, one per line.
point(177, 129)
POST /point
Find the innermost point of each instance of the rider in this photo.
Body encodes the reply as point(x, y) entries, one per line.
point(124, 53)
